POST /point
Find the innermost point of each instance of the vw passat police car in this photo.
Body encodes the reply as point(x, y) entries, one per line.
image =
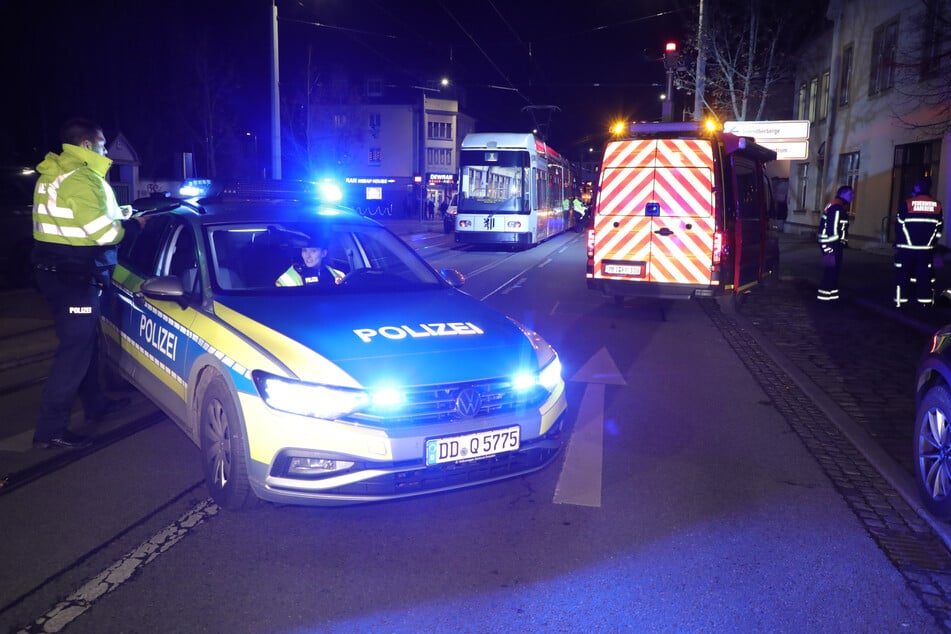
point(315, 358)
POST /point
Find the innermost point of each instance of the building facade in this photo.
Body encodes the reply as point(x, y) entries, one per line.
point(875, 86)
point(402, 152)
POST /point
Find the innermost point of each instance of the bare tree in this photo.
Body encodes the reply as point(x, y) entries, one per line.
point(923, 71)
point(322, 115)
point(747, 47)
point(207, 115)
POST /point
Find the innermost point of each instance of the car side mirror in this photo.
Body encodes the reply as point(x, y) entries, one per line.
point(165, 288)
point(454, 277)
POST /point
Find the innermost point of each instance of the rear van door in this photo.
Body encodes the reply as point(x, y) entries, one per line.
point(656, 217)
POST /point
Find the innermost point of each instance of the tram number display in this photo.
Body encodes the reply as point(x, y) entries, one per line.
point(472, 446)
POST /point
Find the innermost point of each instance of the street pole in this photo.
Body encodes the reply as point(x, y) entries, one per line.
point(701, 66)
point(275, 99)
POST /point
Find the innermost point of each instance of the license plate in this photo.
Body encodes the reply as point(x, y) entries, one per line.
point(623, 269)
point(472, 446)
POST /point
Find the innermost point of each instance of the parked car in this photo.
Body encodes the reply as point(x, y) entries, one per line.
point(449, 216)
point(16, 224)
point(380, 381)
point(932, 433)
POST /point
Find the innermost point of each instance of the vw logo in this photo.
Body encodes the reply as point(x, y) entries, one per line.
point(468, 403)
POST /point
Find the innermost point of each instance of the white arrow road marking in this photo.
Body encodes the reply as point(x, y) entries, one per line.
point(71, 608)
point(580, 479)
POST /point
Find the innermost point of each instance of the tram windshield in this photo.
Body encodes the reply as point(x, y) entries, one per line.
point(494, 181)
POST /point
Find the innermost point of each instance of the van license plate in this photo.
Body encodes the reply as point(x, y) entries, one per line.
point(472, 446)
point(632, 270)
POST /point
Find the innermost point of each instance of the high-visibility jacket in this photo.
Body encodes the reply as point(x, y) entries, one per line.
point(833, 226)
point(300, 275)
point(919, 223)
point(75, 213)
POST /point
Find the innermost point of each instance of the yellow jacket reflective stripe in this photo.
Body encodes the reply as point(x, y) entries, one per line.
point(73, 204)
point(292, 277)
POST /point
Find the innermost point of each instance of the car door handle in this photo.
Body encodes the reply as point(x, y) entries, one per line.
point(664, 231)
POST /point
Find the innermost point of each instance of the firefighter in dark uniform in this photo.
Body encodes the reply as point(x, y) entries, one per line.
point(833, 234)
point(918, 227)
point(77, 225)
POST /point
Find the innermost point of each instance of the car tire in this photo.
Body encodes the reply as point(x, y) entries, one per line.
point(932, 451)
point(224, 457)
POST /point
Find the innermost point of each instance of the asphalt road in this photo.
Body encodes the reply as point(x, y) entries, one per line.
point(753, 499)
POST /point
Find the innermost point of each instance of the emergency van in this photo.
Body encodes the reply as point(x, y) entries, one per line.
point(681, 212)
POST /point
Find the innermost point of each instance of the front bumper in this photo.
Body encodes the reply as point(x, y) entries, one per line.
point(388, 464)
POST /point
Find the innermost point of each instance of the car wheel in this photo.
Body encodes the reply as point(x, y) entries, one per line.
point(933, 451)
point(223, 456)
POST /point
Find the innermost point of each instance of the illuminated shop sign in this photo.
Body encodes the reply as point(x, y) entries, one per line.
point(354, 180)
point(435, 179)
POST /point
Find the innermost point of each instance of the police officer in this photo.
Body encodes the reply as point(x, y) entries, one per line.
point(833, 235)
point(77, 224)
point(311, 269)
point(918, 227)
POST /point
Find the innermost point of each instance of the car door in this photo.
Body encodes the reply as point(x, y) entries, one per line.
point(155, 333)
point(750, 227)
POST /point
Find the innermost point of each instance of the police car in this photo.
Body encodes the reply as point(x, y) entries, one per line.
point(382, 381)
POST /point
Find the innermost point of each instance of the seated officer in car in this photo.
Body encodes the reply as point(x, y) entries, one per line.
point(311, 270)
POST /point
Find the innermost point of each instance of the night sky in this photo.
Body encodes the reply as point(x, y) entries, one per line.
point(137, 66)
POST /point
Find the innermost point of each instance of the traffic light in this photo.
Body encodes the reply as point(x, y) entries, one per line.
point(671, 54)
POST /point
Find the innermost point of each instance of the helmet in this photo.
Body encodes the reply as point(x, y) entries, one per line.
point(923, 186)
point(845, 193)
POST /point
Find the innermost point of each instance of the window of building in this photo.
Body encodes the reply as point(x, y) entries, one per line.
point(439, 130)
point(441, 157)
point(848, 172)
point(802, 184)
point(884, 49)
point(824, 95)
point(813, 97)
point(374, 122)
point(845, 76)
point(931, 36)
point(376, 156)
point(803, 101)
point(374, 87)
point(340, 120)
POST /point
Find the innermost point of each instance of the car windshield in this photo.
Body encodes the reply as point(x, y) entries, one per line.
point(313, 257)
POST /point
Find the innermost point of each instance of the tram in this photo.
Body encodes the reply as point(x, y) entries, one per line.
point(513, 190)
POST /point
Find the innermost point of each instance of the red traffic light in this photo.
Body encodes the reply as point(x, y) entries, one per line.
point(670, 47)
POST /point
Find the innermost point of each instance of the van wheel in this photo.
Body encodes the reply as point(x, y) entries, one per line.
point(932, 451)
point(224, 459)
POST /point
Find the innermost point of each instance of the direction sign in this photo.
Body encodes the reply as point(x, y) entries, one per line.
point(763, 130)
point(787, 150)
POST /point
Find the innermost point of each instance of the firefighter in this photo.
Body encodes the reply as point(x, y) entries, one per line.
point(917, 230)
point(833, 235)
point(311, 269)
point(77, 225)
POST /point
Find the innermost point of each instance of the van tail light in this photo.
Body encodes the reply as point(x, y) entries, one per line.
point(590, 266)
point(717, 249)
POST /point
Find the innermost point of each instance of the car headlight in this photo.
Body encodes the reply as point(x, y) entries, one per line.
point(308, 399)
point(549, 375)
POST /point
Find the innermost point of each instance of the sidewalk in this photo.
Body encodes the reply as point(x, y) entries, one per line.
point(867, 279)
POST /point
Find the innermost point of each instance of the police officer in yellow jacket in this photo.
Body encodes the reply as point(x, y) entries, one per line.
point(918, 228)
point(833, 234)
point(77, 225)
point(311, 269)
